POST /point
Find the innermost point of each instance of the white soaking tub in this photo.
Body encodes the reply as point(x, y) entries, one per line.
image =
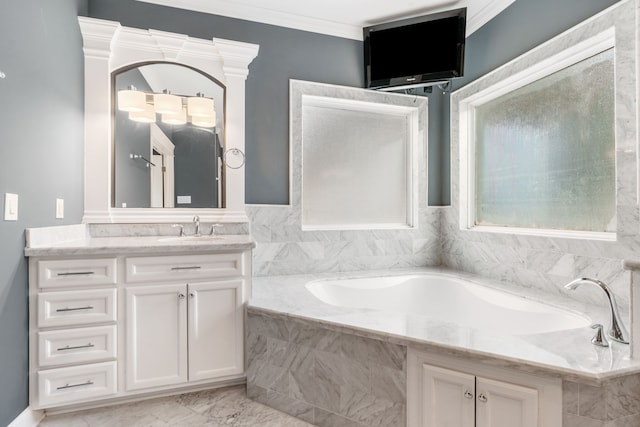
point(448, 298)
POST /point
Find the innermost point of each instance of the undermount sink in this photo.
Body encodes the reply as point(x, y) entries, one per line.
point(205, 238)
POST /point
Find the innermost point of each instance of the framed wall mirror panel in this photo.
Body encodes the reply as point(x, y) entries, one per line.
point(121, 185)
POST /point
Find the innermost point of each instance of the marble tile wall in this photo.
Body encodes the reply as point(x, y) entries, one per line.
point(325, 377)
point(616, 403)
point(283, 248)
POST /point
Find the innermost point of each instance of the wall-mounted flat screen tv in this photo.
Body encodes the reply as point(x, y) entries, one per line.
point(415, 51)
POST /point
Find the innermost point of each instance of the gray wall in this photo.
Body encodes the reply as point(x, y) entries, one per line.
point(41, 156)
point(284, 54)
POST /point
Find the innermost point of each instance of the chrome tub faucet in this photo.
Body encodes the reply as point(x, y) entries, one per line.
point(617, 331)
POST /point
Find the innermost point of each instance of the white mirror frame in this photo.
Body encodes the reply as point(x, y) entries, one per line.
point(109, 46)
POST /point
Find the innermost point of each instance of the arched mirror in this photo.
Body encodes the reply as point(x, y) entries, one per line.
point(168, 127)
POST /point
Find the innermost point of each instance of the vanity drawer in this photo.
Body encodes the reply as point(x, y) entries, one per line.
point(183, 267)
point(76, 272)
point(76, 307)
point(78, 345)
point(76, 384)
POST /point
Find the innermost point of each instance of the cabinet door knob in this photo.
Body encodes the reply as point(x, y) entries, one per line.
point(482, 398)
point(192, 294)
point(180, 295)
point(468, 394)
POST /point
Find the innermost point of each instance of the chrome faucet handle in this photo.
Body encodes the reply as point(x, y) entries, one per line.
point(213, 229)
point(599, 338)
point(181, 229)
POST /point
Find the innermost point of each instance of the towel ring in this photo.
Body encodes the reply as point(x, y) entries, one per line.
point(234, 164)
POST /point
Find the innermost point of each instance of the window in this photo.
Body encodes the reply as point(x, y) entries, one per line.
point(358, 164)
point(538, 147)
point(545, 153)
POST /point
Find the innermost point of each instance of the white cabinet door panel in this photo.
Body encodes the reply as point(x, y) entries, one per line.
point(156, 336)
point(215, 329)
point(447, 398)
point(500, 404)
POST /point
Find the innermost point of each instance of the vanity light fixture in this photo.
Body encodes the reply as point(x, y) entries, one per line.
point(175, 119)
point(199, 106)
point(148, 115)
point(132, 100)
point(205, 121)
point(174, 109)
point(165, 103)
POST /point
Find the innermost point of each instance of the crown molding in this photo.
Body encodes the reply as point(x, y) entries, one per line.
point(265, 16)
point(476, 16)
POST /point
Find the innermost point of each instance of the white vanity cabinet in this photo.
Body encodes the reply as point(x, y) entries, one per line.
point(444, 391)
point(184, 331)
point(109, 328)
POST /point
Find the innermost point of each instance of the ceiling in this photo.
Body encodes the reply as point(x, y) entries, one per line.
point(341, 18)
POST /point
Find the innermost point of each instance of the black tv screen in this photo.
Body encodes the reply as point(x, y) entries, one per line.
point(416, 50)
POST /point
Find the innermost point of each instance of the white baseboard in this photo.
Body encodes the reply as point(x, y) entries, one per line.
point(28, 418)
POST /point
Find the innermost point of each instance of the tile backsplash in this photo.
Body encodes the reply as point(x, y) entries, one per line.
point(283, 248)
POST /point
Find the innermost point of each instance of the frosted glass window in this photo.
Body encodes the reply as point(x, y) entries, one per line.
point(355, 171)
point(545, 153)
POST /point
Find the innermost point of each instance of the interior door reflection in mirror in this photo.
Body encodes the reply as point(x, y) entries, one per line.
point(167, 151)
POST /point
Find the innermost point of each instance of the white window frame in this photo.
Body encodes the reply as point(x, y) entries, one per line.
point(411, 142)
point(576, 53)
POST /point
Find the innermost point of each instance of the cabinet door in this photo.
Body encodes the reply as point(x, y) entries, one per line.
point(215, 329)
point(156, 336)
point(447, 398)
point(500, 404)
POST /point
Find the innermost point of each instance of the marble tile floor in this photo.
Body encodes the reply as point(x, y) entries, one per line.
point(227, 407)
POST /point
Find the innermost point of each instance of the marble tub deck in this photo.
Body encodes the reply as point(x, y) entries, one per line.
point(565, 354)
point(220, 407)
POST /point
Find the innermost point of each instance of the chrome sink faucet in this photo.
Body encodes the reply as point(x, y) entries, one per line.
point(617, 331)
point(196, 223)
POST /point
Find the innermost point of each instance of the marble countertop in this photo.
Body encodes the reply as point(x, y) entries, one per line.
point(140, 244)
point(568, 354)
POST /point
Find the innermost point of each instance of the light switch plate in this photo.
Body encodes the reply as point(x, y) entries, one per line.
point(10, 207)
point(59, 208)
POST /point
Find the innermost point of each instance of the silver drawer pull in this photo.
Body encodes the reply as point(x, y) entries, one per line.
point(75, 347)
point(468, 394)
point(74, 309)
point(74, 385)
point(482, 398)
point(195, 267)
point(77, 273)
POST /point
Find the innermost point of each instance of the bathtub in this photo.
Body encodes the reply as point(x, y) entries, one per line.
point(448, 299)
